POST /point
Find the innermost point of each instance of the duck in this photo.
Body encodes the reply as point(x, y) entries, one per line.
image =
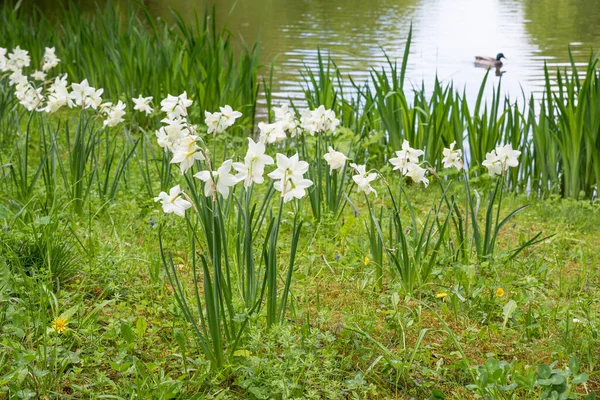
point(489, 61)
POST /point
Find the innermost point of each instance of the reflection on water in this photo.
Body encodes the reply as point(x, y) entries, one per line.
point(447, 35)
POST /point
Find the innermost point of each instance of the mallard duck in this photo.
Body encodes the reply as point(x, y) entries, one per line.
point(490, 61)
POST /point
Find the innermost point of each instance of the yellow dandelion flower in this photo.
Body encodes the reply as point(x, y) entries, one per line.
point(367, 260)
point(441, 295)
point(59, 324)
point(499, 292)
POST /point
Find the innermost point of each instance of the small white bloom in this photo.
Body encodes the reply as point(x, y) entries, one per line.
point(18, 59)
point(17, 78)
point(214, 122)
point(29, 97)
point(253, 167)
point(38, 76)
point(290, 177)
point(271, 133)
point(218, 181)
point(229, 116)
point(507, 156)
point(289, 168)
point(142, 104)
point(404, 157)
point(176, 106)
point(50, 60)
point(319, 120)
point(114, 113)
point(186, 153)
point(335, 159)
point(58, 95)
point(363, 179)
point(501, 159)
point(84, 95)
point(491, 162)
point(452, 158)
point(287, 119)
point(292, 189)
point(417, 174)
point(172, 203)
point(3, 60)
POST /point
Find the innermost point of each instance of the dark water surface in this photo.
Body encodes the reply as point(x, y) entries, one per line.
point(447, 35)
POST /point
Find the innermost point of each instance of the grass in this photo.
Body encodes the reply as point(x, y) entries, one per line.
point(300, 303)
point(342, 335)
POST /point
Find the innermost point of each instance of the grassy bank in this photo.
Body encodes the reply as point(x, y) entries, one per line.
point(480, 285)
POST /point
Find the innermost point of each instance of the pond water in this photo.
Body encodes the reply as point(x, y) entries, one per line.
point(447, 35)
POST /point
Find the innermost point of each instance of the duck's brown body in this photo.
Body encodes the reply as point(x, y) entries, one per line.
point(488, 62)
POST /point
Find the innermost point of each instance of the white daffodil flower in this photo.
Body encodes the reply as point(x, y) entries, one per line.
point(289, 168)
point(3, 60)
point(186, 153)
point(38, 76)
point(58, 94)
point(174, 131)
point(29, 97)
point(84, 95)
point(215, 122)
point(271, 133)
point(507, 156)
point(49, 60)
point(287, 119)
point(417, 174)
point(142, 104)
point(218, 181)
point(363, 179)
point(17, 78)
point(335, 159)
point(289, 177)
point(114, 113)
point(292, 189)
point(253, 167)
point(319, 120)
point(172, 202)
point(404, 157)
point(491, 162)
point(18, 59)
point(452, 157)
point(229, 116)
point(498, 161)
point(176, 106)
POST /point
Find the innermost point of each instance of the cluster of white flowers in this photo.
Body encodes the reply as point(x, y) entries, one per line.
point(218, 122)
point(407, 161)
point(178, 135)
point(498, 161)
point(319, 120)
point(36, 93)
point(181, 138)
point(287, 120)
point(85, 96)
point(57, 94)
point(50, 60)
point(271, 133)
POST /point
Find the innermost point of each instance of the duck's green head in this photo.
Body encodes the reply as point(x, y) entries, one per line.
point(499, 56)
